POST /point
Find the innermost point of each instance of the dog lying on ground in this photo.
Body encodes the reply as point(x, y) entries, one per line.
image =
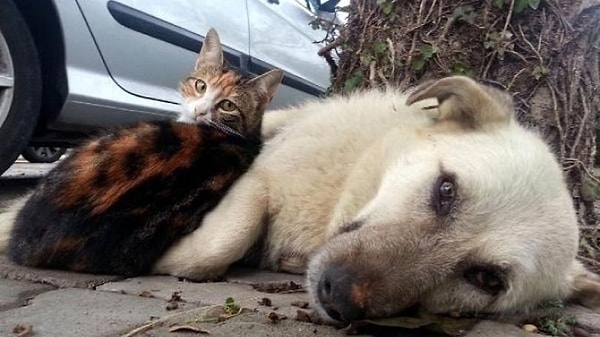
point(391, 203)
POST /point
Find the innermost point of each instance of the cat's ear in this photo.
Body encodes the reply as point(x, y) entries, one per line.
point(211, 52)
point(268, 82)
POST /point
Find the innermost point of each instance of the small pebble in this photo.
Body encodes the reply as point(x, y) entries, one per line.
point(172, 305)
point(265, 301)
point(530, 328)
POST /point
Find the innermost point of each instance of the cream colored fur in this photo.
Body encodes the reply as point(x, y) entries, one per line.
point(7, 218)
point(373, 158)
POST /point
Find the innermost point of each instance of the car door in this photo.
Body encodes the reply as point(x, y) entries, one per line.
point(280, 36)
point(148, 46)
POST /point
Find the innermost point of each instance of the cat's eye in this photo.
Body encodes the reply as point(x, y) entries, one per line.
point(200, 86)
point(227, 105)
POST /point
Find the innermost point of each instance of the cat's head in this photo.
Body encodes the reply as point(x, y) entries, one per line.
point(220, 96)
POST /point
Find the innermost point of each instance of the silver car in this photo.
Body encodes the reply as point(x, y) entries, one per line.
point(68, 67)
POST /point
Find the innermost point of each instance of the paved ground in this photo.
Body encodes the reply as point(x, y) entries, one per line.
point(56, 303)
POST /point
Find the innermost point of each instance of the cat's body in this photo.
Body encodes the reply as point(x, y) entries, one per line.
point(119, 201)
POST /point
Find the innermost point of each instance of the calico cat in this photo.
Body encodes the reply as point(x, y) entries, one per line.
point(119, 201)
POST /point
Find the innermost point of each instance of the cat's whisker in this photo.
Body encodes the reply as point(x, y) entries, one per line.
point(223, 128)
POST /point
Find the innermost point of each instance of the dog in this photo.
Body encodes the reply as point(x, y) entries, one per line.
point(435, 198)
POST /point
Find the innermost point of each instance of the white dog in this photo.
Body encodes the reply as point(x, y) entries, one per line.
point(389, 205)
point(456, 208)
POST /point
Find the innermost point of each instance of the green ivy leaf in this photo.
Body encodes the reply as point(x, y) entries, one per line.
point(534, 4)
point(366, 59)
point(386, 6)
point(418, 63)
point(428, 51)
point(353, 82)
point(379, 48)
point(540, 71)
point(465, 13)
point(499, 3)
point(460, 68)
point(520, 5)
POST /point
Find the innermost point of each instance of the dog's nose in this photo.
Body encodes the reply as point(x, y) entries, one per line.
point(335, 292)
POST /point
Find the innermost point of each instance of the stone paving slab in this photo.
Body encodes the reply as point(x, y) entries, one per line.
point(497, 329)
point(118, 306)
point(252, 276)
point(79, 312)
point(57, 278)
point(587, 318)
point(15, 293)
point(254, 324)
point(210, 293)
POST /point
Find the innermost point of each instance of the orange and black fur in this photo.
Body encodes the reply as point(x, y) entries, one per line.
point(119, 201)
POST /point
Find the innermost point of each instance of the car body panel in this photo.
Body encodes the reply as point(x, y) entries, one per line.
point(125, 58)
point(152, 68)
point(280, 34)
point(94, 99)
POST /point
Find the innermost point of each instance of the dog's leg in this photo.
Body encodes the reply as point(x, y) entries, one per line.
point(224, 236)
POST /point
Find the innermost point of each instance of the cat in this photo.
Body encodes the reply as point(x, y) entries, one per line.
point(120, 200)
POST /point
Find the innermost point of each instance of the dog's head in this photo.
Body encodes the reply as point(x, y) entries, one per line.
point(472, 215)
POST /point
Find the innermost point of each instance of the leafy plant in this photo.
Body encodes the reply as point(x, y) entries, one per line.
point(426, 52)
point(387, 6)
point(354, 81)
point(499, 41)
point(465, 13)
point(520, 5)
point(231, 307)
point(555, 321)
point(461, 68)
point(540, 71)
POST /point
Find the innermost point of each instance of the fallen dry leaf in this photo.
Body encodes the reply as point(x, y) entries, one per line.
point(449, 326)
point(300, 304)
point(303, 316)
point(146, 294)
point(188, 328)
point(23, 330)
point(282, 287)
point(275, 317)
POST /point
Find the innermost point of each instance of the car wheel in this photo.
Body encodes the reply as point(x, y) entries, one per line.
point(43, 154)
point(20, 84)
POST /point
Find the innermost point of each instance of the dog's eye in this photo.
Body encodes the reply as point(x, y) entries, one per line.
point(490, 279)
point(444, 194)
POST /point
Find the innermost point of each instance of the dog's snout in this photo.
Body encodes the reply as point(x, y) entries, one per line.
point(337, 292)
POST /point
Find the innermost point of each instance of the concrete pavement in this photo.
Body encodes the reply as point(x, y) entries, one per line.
point(56, 303)
point(51, 303)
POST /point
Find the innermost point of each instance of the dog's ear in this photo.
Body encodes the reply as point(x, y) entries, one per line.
point(466, 102)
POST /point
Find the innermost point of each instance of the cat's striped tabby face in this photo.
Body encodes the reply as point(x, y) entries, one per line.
point(220, 96)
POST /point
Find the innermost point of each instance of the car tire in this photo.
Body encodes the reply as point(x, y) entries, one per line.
point(43, 154)
point(20, 84)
